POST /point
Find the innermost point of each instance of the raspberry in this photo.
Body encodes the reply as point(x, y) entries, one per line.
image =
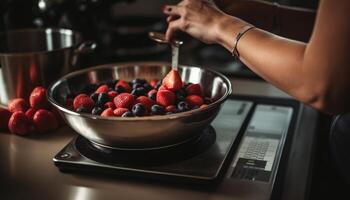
point(107, 113)
point(194, 100)
point(112, 94)
point(4, 118)
point(109, 105)
point(124, 100)
point(120, 111)
point(195, 89)
point(30, 113)
point(102, 88)
point(83, 100)
point(172, 81)
point(18, 104)
point(146, 101)
point(165, 98)
point(37, 98)
point(45, 121)
point(19, 124)
point(124, 85)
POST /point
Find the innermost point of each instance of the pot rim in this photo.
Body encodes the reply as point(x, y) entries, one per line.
point(46, 30)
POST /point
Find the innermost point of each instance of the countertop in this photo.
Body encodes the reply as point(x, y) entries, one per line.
point(27, 170)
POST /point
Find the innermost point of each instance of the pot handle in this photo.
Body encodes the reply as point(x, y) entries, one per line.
point(83, 48)
point(86, 47)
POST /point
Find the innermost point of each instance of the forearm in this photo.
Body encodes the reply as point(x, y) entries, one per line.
point(290, 22)
point(298, 68)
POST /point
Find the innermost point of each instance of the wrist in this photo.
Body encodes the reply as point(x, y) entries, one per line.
point(227, 30)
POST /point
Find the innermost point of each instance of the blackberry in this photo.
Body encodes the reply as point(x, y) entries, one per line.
point(157, 110)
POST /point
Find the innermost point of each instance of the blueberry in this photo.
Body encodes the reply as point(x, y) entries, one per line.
point(97, 111)
point(183, 106)
point(139, 91)
point(82, 109)
point(128, 114)
point(138, 80)
point(90, 88)
point(94, 96)
point(136, 85)
point(153, 96)
point(102, 99)
point(157, 110)
point(147, 87)
point(119, 89)
point(111, 83)
point(139, 109)
point(159, 83)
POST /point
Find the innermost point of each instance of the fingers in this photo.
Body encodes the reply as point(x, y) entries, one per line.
point(173, 27)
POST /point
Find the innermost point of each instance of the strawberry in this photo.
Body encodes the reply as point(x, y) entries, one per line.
point(112, 94)
point(19, 124)
point(109, 105)
point(30, 113)
point(125, 85)
point(146, 101)
point(83, 100)
point(170, 108)
point(165, 98)
point(18, 104)
point(162, 87)
point(37, 98)
point(124, 100)
point(195, 89)
point(102, 88)
point(194, 100)
point(120, 111)
point(107, 113)
point(4, 118)
point(153, 83)
point(45, 121)
point(172, 81)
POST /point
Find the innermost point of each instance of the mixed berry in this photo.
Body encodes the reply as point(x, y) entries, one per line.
point(139, 97)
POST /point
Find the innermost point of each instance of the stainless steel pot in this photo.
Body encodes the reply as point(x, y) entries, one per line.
point(33, 57)
point(140, 132)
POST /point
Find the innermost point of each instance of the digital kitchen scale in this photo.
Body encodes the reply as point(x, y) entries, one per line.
point(244, 143)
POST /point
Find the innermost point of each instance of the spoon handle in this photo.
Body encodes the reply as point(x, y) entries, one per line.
point(174, 56)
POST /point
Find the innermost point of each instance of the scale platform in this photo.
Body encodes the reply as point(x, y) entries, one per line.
point(245, 142)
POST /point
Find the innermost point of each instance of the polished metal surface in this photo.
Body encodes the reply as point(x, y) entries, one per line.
point(160, 37)
point(33, 57)
point(27, 171)
point(140, 132)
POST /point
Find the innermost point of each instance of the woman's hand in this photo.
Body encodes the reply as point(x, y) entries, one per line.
point(199, 18)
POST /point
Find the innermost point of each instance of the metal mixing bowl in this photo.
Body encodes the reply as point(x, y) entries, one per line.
point(140, 132)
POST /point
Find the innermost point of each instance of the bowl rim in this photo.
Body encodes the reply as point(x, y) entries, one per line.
point(145, 118)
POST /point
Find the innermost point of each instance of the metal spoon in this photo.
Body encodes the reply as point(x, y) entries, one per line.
point(175, 44)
